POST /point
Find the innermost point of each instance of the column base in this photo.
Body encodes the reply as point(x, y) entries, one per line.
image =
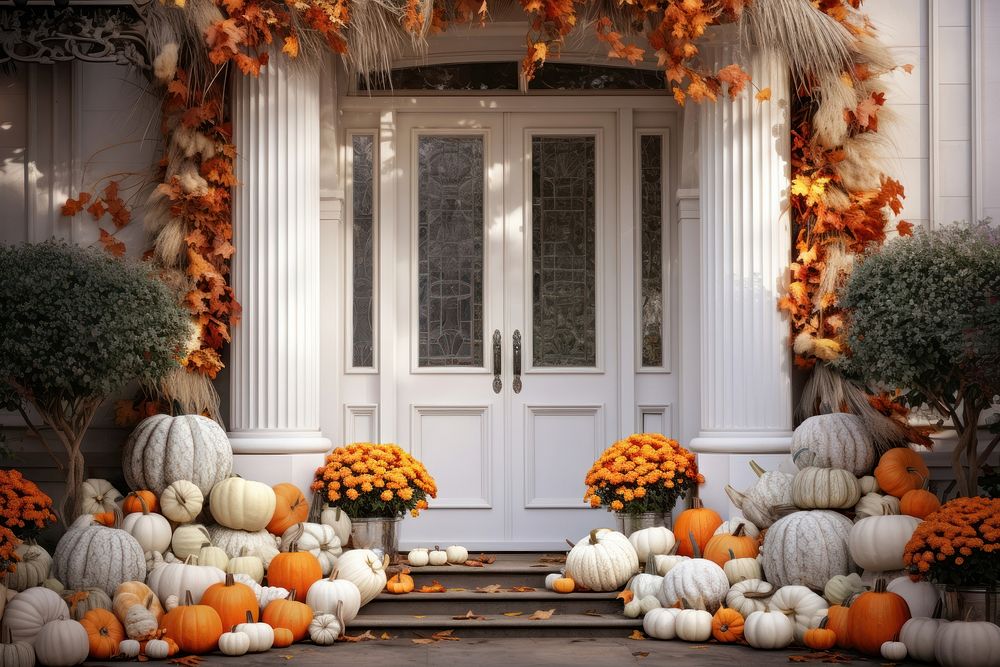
point(724, 458)
point(279, 456)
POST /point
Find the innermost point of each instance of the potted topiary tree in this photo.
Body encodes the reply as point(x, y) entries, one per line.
point(923, 317)
point(78, 325)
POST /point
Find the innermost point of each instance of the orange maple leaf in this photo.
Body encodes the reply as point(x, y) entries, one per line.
point(736, 77)
point(904, 228)
point(74, 206)
point(763, 95)
point(291, 46)
point(111, 244)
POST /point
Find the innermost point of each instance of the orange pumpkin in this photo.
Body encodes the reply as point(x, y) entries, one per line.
point(232, 601)
point(195, 627)
point(400, 583)
point(900, 470)
point(283, 637)
point(836, 621)
point(694, 528)
point(105, 519)
point(290, 509)
point(727, 625)
point(104, 633)
point(919, 503)
point(290, 614)
point(294, 570)
point(722, 547)
point(876, 617)
point(564, 585)
point(134, 502)
point(821, 638)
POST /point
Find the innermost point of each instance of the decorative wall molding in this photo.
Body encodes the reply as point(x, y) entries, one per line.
point(419, 450)
point(353, 414)
point(534, 478)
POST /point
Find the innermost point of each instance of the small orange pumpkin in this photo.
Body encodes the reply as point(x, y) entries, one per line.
point(900, 470)
point(283, 637)
point(294, 570)
point(105, 519)
point(725, 546)
point(919, 503)
point(564, 585)
point(134, 502)
point(836, 621)
point(232, 601)
point(876, 617)
point(821, 638)
point(195, 627)
point(296, 616)
point(291, 508)
point(400, 583)
point(104, 633)
point(694, 528)
point(727, 625)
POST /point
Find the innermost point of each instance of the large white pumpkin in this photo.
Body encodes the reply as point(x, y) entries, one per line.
point(151, 531)
point(838, 440)
point(921, 596)
point(318, 539)
point(98, 496)
point(968, 644)
point(650, 542)
point(604, 560)
point(364, 569)
point(32, 569)
point(801, 605)
point(90, 555)
point(163, 449)
point(62, 643)
point(920, 636)
point(242, 504)
point(699, 582)
point(260, 543)
point(877, 543)
point(749, 596)
point(178, 578)
point(825, 488)
point(325, 594)
point(758, 503)
point(807, 549)
point(768, 630)
point(30, 610)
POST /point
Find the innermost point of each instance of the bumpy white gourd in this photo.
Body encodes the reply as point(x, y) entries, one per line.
point(33, 567)
point(29, 611)
point(729, 527)
point(837, 440)
point(693, 625)
point(698, 581)
point(843, 587)
point(182, 501)
point(318, 539)
point(163, 449)
point(326, 628)
point(761, 501)
point(825, 488)
point(91, 555)
point(749, 596)
point(337, 519)
point(920, 637)
point(664, 563)
point(366, 570)
point(825, 535)
point(768, 630)
point(242, 504)
point(650, 542)
point(234, 644)
point(801, 605)
point(661, 623)
point(921, 596)
point(260, 543)
point(325, 595)
point(604, 560)
point(178, 578)
point(98, 496)
point(457, 555)
point(875, 504)
point(968, 644)
point(877, 542)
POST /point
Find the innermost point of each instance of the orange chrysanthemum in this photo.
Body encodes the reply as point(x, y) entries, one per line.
point(958, 545)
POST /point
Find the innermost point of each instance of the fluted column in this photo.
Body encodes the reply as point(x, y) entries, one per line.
point(746, 402)
point(274, 392)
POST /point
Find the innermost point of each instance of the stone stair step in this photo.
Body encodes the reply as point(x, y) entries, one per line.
point(559, 625)
point(460, 576)
point(454, 603)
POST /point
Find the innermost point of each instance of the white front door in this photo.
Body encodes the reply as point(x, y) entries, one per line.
point(506, 336)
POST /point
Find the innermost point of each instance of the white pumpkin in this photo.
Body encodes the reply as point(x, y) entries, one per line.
point(129, 648)
point(182, 501)
point(265, 594)
point(893, 651)
point(337, 519)
point(364, 569)
point(825, 488)
point(261, 543)
point(868, 484)
point(151, 531)
point(801, 605)
point(920, 637)
point(164, 449)
point(661, 623)
point(318, 539)
point(54, 584)
point(80, 602)
point(16, 654)
point(632, 609)
point(729, 527)
point(234, 643)
point(326, 628)
point(664, 563)
point(550, 580)
point(968, 644)
point(457, 555)
point(91, 555)
point(807, 549)
point(29, 611)
point(98, 496)
point(417, 557)
point(643, 585)
point(604, 560)
point(693, 625)
point(921, 596)
point(741, 569)
point(759, 503)
point(749, 596)
point(768, 630)
point(177, 578)
point(875, 504)
point(648, 604)
point(650, 542)
point(437, 557)
point(325, 595)
point(62, 643)
point(32, 569)
point(698, 581)
point(157, 649)
point(189, 539)
point(248, 564)
point(877, 542)
point(839, 440)
point(261, 635)
point(843, 587)
point(242, 504)
point(209, 556)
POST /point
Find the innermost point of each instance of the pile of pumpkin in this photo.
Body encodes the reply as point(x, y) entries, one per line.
point(818, 560)
point(139, 576)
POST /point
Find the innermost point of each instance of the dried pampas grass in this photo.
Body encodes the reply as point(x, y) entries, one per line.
point(170, 247)
point(191, 393)
point(835, 93)
point(859, 171)
point(376, 37)
point(165, 63)
point(872, 52)
point(838, 265)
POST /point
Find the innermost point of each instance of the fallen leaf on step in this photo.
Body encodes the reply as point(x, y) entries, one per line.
point(522, 589)
point(822, 656)
point(435, 587)
point(423, 640)
point(143, 658)
point(445, 635)
point(699, 647)
point(492, 588)
point(473, 563)
point(187, 661)
point(487, 560)
point(637, 635)
point(365, 636)
point(420, 617)
point(640, 654)
point(542, 615)
point(552, 558)
point(513, 613)
point(386, 635)
point(592, 612)
point(469, 616)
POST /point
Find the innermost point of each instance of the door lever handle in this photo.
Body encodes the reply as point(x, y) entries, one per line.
point(517, 362)
point(497, 362)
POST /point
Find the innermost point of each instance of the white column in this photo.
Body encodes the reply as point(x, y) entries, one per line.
point(745, 370)
point(274, 392)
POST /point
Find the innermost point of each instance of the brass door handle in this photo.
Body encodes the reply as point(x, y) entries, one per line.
point(497, 362)
point(517, 362)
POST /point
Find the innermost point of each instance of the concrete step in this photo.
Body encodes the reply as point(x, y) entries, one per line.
point(457, 602)
point(505, 573)
point(559, 625)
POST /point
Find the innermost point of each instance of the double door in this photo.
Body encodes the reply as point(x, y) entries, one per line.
point(506, 343)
